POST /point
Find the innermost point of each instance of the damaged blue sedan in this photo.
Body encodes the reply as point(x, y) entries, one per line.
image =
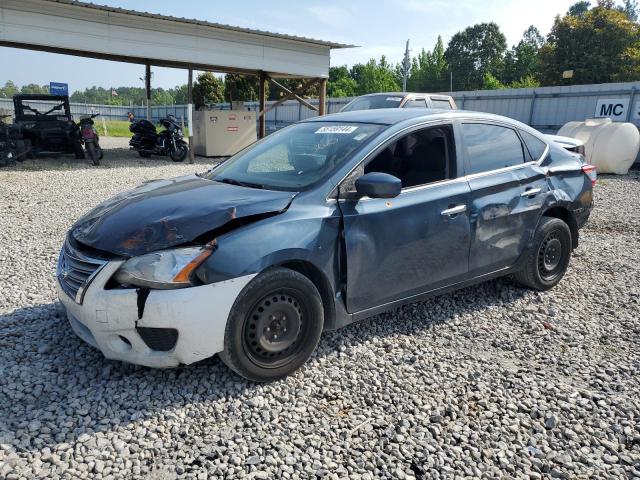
point(321, 224)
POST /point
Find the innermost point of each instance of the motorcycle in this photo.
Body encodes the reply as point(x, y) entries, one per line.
point(90, 138)
point(147, 141)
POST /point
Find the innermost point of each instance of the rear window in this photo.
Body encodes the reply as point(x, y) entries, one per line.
point(416, 103)
point(440, 103)
point(490, 147)
point(372, 102)
point(535, 146)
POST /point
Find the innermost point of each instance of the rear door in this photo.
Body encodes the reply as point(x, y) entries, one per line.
point(418, 241)
point(507, 192)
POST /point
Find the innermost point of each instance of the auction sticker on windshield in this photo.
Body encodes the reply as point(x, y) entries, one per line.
point(393, 99)
point(337, 129)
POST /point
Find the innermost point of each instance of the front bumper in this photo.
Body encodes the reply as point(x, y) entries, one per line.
point(107, 319)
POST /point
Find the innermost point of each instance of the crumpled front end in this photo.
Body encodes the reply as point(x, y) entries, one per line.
point(156, 328)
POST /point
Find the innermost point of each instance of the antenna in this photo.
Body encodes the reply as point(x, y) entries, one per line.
point(406, 67)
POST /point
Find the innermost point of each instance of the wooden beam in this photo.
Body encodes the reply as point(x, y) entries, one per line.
point(262, 94)
point(322, 110)
point(190, 114)
point(294, 94)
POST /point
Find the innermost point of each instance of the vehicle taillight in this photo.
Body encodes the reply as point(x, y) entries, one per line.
point(591, 172)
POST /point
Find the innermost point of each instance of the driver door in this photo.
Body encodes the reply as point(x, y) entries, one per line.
point(419, 241)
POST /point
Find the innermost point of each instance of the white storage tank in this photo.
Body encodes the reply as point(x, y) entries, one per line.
point(611, 146)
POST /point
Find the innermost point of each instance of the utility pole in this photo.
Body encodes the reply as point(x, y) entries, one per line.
point(406, 67)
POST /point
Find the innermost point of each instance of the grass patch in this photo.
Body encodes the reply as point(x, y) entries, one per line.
point(119, 128)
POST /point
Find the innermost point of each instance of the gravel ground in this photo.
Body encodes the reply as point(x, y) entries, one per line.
point(491, 381)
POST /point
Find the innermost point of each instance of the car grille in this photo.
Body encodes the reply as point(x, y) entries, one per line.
point(76, 270)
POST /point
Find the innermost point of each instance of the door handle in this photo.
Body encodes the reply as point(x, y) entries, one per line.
point(450, 212)
point(531, 192)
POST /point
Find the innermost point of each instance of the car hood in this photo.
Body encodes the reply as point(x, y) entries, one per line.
point(167, 213)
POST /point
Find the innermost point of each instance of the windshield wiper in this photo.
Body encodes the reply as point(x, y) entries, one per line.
point(232, 181)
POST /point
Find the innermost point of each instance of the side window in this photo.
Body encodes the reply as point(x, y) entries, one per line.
point(418, 158)
point(535, 146)
point(490, 147)
point(441, 103)
point(416, 103)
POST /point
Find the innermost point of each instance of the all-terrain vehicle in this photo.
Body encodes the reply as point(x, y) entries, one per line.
point(45, 122)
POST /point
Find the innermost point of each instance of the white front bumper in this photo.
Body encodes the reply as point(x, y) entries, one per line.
point(107, 317)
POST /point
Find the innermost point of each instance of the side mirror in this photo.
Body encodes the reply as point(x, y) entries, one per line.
point(378, 185)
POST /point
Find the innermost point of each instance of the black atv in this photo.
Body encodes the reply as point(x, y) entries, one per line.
point(46, 125)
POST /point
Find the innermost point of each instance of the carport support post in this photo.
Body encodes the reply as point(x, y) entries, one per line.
point(262, 97)
point(190, 113)
point(322, 108)
point(147, 85)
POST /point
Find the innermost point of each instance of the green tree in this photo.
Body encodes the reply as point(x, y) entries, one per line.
point(523, 59)
point(475, 51)
point(35, 88)
point(374, 77)
point(241, 87)
point(160, 96)
point(429, 70)
point(579, 8)
point(630, 9)
point(602, 45)
point(207, 89)
point(9, 90)
point(525, 82)
point(340, 83)
point(489, 82)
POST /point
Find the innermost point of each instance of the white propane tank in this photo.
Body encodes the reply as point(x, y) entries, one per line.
point(612, 147)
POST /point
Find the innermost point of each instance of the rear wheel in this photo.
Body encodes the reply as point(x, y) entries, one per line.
point(547, 260)
point(93, 153)
point(274, 326)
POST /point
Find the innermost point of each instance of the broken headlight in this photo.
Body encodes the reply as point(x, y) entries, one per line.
point(166, 269)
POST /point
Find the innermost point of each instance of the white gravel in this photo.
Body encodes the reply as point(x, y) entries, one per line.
point(491, 381)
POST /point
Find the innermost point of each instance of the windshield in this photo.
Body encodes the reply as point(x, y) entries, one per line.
point(371, 102)
point(296, 157)
point(44, 109)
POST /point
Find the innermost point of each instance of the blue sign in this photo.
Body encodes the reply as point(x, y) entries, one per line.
point(56, 88)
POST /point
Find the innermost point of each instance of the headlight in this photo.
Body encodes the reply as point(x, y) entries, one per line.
point(165, 269)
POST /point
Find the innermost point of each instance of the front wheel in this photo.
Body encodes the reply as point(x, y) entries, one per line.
point(179, 153)
point(548, 258)
point(274, 326)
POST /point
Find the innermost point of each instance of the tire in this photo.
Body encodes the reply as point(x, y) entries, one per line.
point(93, 154)
point(547, 260)
point(179, 153)
point(278, 302)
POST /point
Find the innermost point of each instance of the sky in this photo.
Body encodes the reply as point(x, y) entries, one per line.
point(379, 28)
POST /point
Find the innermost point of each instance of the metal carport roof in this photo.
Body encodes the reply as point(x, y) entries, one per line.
point(85, 29)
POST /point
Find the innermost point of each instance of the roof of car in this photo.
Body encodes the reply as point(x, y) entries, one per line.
point(390, 116)
point(404, 94)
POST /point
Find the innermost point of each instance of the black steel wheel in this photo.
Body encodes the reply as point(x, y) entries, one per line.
point(274, 325)
point(548, 258)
